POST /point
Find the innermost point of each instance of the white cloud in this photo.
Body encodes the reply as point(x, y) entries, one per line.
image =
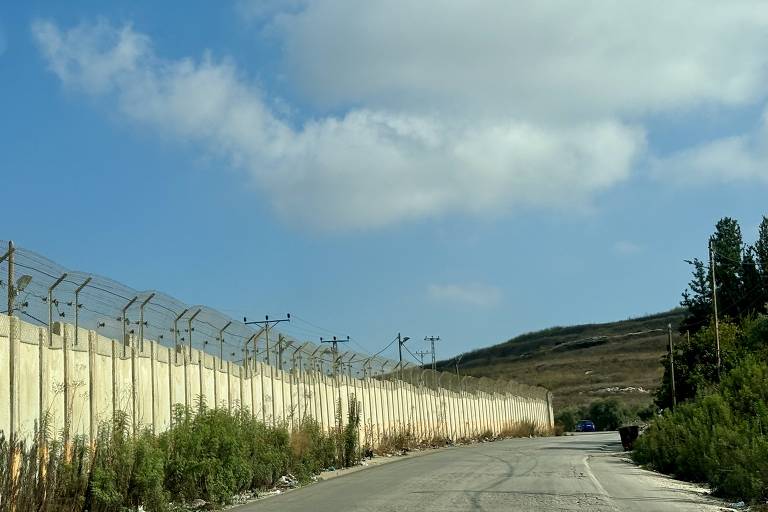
point(529, 58)
point(91, 56)
point(473, 294)
point(366, 168)
point(742, 157)
point(451, 108)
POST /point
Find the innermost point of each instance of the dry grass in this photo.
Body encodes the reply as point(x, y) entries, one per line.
point(398, 441)
point(525, 429)
point(577, 365)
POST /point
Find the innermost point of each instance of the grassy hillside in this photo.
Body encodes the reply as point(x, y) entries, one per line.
point(582, 362)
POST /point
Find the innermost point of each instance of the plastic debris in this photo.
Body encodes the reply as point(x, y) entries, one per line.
point(287, 482)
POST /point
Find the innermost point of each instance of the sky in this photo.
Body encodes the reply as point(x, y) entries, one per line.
point(469, 170)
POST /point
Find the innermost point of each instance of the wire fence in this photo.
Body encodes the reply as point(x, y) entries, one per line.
point(44, 293)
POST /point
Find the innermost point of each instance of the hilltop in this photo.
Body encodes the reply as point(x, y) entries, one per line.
point(582, 362)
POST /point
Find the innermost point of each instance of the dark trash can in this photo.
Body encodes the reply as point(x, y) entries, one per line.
point(628, 436)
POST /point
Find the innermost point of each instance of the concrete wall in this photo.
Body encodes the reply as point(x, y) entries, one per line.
point(77, 382)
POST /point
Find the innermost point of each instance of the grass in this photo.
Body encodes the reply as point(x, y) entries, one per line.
point(525, 429)
point(576, 364)
point(208, 454)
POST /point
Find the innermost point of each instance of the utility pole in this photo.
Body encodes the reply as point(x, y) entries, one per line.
point(400, 342)
point(280, 341)
point(421, 355)
point(432, 340)
point(267, 323)
point(714, 303)
point(11, 283)
point(458, 360)
point(335, 347)
point(672, 365)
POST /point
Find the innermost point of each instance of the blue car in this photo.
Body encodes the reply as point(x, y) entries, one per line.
point(585, 426)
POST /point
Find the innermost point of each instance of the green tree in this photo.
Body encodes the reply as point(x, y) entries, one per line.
point(696, 362)
point(697, 299)
point(568, 418)
point(727, 250)
point(753, 292)
point(607, 414)
point(761, 256)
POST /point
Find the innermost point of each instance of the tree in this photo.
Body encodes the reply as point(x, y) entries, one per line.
point(696, 362)
point(698, 301)
point(753, 291)
point(727, 250)
point(761, 247)
point(761, 256)
point(607, 414)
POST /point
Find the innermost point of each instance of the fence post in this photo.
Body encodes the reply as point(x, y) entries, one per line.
point(204, 396)
point(187, 385)
point(153, 388)
point(114, 380)
point(263, 396)
point(215, 379)
point(253, 389)
point(549, 410)
point(92, 341)
point(13, 363)
point(240, 373)
point(171, 369)
point(42, 349)
point(229, 386)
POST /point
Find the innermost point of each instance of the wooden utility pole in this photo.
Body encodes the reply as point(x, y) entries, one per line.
point(672, 365)
point(714, 304)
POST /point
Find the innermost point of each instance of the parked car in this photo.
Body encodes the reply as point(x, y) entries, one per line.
point(585, 426)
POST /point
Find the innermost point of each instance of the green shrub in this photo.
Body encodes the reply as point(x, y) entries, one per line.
point(568, 418)
point(606, 414)
point(207, 454)
point(311, 449)
point(349, 436)
point(126, 470)
point(719, 438)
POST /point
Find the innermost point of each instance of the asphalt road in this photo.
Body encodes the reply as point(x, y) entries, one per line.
point(585, 472)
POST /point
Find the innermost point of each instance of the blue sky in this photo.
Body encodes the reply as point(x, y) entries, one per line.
point(468, 172)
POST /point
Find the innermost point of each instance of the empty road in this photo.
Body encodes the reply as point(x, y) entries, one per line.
point(581, 472)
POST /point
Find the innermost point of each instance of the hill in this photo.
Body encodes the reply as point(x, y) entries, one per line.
point(583, 362)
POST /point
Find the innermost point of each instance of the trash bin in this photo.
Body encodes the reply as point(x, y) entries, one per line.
point(628, 436)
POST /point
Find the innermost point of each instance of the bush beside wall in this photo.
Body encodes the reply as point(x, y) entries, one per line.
point(719, 438)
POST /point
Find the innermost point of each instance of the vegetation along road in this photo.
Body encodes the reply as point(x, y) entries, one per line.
point(581, 472)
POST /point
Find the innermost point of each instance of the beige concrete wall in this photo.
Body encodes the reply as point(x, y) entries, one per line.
point(102, 374)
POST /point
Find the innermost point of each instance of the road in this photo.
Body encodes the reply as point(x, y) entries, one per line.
point(584, 472)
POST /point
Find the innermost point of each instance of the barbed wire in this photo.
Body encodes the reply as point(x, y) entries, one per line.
point(57, 294)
